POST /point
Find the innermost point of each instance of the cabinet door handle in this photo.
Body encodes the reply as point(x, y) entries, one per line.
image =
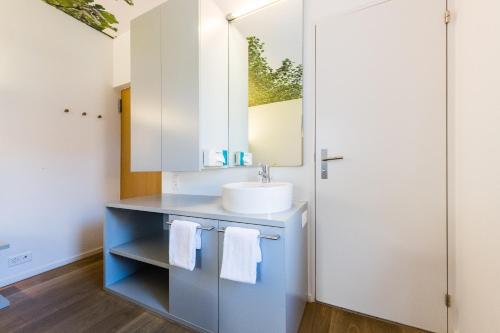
point(201, 228)
point(270, 237)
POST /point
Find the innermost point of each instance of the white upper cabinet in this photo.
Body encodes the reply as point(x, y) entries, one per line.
point(179, 86)
point(146, 82)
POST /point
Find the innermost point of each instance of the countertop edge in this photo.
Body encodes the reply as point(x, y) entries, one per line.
point(298, 208)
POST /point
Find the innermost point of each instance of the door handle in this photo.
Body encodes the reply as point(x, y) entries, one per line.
point(324, 162)
point(334, 158)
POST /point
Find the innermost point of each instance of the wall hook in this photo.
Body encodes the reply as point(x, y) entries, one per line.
point(99, 117)
point(84, 113)
point(66, 110)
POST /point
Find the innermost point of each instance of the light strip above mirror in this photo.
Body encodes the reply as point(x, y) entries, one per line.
point(247, 10)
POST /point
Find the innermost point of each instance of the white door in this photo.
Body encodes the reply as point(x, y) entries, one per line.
point(381, 213)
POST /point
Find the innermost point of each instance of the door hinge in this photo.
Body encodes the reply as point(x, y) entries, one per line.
point(447, 300)
point(447, 17)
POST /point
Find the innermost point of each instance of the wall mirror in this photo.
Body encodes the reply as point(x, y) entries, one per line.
point(265, 84)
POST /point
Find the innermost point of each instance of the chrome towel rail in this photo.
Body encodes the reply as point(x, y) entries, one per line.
point(201, 228)
point(271, 237)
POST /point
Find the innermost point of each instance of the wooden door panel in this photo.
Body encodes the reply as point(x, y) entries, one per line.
point(133, 184)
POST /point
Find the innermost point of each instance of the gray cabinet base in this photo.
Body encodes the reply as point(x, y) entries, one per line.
point(136, 268)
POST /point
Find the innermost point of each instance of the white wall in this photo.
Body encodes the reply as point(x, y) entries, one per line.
point(57, 170)
point(124, 13)
point(476, 165)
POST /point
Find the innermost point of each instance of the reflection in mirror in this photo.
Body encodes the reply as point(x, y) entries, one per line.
point(265, 86)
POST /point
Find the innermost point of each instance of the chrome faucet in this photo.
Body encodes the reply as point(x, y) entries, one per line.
point(265, 173)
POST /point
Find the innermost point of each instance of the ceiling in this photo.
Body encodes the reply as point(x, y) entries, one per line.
point(124, 12)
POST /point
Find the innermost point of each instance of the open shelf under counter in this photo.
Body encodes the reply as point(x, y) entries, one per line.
point(147, 287)
point(152, 250)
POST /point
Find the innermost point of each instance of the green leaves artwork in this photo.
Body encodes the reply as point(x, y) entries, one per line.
point(267, 85)
point(90, 13)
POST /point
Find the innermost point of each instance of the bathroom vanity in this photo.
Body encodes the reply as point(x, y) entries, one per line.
point(136, 243)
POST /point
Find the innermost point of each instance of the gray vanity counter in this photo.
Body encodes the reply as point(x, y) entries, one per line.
point(209, 207)
point(137, 266)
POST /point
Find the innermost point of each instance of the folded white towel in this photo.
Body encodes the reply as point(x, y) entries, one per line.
point(240, 256)
point(185, 238)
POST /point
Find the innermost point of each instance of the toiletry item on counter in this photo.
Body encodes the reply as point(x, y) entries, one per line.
point(215, 158)
point(242, 158)
point(241, 254)
point(185, 239)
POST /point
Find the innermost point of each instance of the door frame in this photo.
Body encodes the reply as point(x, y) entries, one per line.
point(450, 222)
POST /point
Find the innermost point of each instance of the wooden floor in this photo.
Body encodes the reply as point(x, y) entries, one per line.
point(319, 318)
point(70, 299)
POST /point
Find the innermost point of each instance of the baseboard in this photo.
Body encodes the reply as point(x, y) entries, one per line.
point(39, 270)
point(310, 298)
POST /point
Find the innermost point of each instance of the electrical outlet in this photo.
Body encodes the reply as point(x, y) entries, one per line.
point(20, 259)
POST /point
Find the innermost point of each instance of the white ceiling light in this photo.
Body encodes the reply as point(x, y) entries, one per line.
point(250, 9)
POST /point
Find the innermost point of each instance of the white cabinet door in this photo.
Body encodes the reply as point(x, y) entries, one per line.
point(146, 92)
point(381, 214)
point(179, 85)
point(180, 71)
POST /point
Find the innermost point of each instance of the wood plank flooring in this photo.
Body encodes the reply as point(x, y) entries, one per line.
point(70, 299)
point(320, 318)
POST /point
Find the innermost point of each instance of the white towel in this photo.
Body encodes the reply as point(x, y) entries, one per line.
point(185, 238)
point(240, 256)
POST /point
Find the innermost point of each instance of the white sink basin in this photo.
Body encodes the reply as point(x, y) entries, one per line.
point(257, 198)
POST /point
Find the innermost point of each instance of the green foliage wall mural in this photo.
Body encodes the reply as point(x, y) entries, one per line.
point(89, 12)
point(267, 85)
